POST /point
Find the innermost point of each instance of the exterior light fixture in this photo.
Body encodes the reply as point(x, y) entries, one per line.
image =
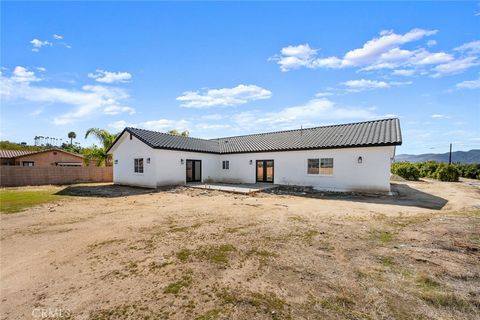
point(181, 161)
point(251, 162)
point(360, 160)
point(116, 161)
point(148, 160)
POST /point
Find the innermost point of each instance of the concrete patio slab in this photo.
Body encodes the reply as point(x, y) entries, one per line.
point(243, 188)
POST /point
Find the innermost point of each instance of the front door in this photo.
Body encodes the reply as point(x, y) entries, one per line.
point(194, 170)
point(265, 171)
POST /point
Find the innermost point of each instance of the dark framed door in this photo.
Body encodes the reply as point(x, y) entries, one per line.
point(265, 171)
point(194, 170)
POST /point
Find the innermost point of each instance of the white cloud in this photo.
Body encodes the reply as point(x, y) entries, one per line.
point(311, 113)
point(223, 97)
point(469, 84)
point(110, 77)
point(57, 36)
point(22, 74)
point(37, 44)
point(439, 116)
point(455, 66)
point(364, 84)
point(386, 44)
point(404, 72)
point(87, 102)
point(472, 47)
point(384, 52)
point(155, 125)
point(324, 94)
point(378, 53)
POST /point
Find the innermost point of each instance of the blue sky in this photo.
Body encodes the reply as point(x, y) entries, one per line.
point(222, 69)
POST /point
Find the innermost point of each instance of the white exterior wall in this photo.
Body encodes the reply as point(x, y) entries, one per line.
point(290, 167)
point(124, 153)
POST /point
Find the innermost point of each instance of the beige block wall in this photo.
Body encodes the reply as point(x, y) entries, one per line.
point(14, 176)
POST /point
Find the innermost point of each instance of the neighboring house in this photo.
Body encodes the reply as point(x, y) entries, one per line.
point(345, 157)
point(43, 158)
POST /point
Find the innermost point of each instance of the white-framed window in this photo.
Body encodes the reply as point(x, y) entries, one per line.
point(326, 166)
point(138, 165)
point(28, 163)
point(322, 166)
point(225, 165)
point(313, 166)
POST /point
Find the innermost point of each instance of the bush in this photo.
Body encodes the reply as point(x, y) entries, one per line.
point(428, 168)
point(406, 170)
point(471, 171)
point(447, 173)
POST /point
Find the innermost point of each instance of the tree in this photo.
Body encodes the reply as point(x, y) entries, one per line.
point(72, 135)
point(184, 133)
point(99, 154)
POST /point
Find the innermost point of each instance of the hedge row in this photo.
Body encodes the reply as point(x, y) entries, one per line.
point(436, 170)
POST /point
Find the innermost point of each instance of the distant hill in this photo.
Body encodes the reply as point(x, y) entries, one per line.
point(472, 156)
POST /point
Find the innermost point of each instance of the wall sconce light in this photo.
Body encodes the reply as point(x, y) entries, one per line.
point(148, 160)
point(251, 162)
point(116, 161)
point(360, 160)
point(181, 161)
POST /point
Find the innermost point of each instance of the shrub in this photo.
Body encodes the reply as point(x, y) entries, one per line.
point(406, 170)
point(428, 168)
point(471, 171)
point(447, 173)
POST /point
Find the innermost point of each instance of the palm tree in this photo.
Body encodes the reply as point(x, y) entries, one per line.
point(72, 135)
point(99, 154)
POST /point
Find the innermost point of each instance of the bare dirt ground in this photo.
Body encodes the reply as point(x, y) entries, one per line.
point(109, 252)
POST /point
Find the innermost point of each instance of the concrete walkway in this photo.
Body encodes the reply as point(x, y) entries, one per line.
point(243, 188)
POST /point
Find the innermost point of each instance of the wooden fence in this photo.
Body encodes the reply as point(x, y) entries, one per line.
point(14, 176)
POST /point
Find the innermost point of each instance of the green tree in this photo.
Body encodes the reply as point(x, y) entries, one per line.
point(99, 154)
point(184, 133)
point(72, 135)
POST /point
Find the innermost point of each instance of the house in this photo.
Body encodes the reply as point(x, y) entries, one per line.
point(43, 158)
point(345, 157)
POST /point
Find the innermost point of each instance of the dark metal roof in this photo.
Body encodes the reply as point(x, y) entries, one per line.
point(361, 134)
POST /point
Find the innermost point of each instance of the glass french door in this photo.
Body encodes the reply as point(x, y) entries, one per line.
point(194, 170)
point(265, 170)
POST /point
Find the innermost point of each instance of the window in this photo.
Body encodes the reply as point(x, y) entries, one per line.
point(326, 166)
point(138, 166)
point(313, 166)
point(322, 166)
point(225, 165)
point(27, 163)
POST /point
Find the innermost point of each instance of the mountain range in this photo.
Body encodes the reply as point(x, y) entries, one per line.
point(472, 156)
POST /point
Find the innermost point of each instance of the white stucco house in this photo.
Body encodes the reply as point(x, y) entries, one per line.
point(345, 157)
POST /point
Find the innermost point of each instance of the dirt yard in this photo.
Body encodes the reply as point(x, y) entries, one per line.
point(107, 252)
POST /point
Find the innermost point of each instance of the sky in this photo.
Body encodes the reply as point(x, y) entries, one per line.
point(224, 69)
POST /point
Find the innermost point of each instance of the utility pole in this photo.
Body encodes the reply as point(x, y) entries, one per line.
point(450, 155)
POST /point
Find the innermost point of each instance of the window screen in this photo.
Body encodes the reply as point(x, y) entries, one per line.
point(313, 166)
point(138, 165)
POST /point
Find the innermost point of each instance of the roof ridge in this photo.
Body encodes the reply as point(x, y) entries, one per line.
point(311, 128)
point(170, 134)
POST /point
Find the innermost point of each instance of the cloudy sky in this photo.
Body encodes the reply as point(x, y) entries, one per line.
point(222, 69)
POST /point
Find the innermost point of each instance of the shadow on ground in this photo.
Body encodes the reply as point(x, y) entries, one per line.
point(404, 195)
point(108, 191)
